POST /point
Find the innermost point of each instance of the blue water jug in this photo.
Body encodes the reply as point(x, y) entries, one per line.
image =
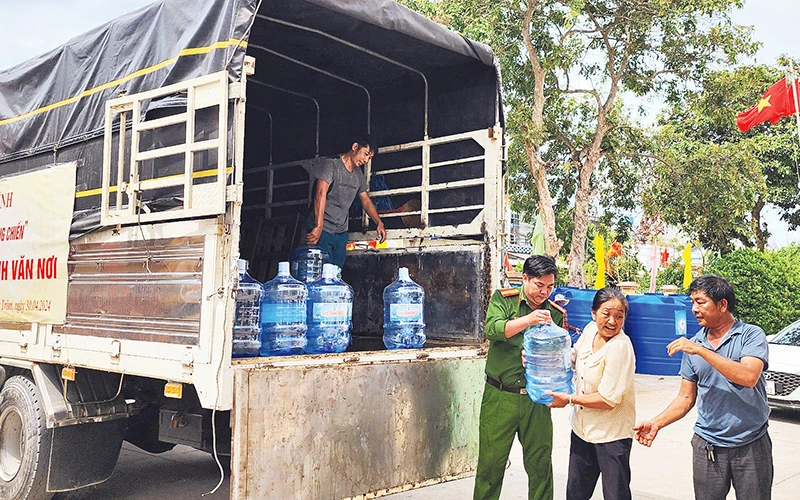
point(329, 313)
point(548, 362)
point(403, 313)
point(306, 263)
point(247, 319)
point(283, 315)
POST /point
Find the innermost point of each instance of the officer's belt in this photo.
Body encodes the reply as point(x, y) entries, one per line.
point(496, 383)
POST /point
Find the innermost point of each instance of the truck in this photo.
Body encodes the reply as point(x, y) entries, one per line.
point(142, 159)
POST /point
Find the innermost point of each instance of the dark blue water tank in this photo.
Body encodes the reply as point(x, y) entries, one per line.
point(579, 307)
point(655, 320)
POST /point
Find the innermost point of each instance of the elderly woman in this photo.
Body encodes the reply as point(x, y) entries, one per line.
point(603, 406)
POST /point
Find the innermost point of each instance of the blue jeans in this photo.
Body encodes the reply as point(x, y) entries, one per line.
point(336, 246)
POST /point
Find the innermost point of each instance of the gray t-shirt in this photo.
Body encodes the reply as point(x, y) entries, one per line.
point(344, 187)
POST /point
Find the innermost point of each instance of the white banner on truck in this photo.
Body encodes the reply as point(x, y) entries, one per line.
point(35, 217)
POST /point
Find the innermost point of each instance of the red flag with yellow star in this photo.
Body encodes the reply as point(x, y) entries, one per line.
point(776, 103)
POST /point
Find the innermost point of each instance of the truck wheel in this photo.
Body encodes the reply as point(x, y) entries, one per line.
point(24, 442)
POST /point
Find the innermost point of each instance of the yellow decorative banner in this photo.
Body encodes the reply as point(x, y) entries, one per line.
point(35, 218)
point(687, 265)
point(600, 257)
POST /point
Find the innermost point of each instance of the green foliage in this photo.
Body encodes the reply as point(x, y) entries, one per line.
point(765, 283)
point(713, 181)
point(563, 274)
point(627, 267)
point(590, 271)
point(564, 72)
point(624, 267)
point(672, 274)
point(706, 189)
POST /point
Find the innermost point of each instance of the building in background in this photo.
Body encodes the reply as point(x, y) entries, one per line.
point(518, 244)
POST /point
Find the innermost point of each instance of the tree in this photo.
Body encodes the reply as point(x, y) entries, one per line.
point(565, 65)
point(765, 283)
point(712, 180)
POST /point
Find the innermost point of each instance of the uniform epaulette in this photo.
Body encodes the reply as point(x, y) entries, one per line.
point(509, 292)
point(557, 308)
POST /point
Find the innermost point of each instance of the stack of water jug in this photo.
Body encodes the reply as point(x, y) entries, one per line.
point(308, 308)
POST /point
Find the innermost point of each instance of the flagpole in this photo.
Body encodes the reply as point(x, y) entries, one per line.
point(796, 111)
point(794, 94)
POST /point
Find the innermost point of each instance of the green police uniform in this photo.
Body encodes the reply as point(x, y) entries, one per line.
point(505, 411)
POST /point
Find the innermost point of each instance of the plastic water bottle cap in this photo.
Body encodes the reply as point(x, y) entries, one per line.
point(402, 274)
point(328, 271)
point(283, 269)
point(242, 265)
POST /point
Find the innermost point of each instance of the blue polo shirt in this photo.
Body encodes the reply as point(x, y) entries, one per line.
point(729, 414)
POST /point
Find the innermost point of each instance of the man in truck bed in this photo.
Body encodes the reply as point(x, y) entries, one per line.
point(339, 181)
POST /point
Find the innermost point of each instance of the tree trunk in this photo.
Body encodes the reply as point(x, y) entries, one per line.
point(580, 223)
point(535, 163)
point(538, 170)
point(583, 198)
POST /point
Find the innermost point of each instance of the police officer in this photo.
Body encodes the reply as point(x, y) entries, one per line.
point(506, 409)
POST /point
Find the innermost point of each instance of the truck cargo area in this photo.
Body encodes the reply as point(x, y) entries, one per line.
point(434, 180)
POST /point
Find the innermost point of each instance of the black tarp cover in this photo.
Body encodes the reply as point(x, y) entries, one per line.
point(57, 99)
point(54, 99)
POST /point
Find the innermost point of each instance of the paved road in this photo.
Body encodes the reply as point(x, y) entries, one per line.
point(181, 474)
point(662, 472)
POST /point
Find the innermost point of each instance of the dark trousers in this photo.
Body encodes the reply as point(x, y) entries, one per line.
point(748, 468)
point(588, 460)
point(503, 416)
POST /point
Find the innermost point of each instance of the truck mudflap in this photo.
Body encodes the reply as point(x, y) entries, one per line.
point(354, 425)
point(83, 455)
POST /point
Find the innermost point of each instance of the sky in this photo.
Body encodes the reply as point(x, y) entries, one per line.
point(29, 28)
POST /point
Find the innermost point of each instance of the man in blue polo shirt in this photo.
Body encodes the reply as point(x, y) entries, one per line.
point(722, 370)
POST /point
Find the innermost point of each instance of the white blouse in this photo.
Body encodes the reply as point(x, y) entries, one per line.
point(609, 372)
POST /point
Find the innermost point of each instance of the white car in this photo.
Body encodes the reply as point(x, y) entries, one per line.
point(783, 375)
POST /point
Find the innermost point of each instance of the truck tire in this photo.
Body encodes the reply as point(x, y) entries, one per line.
point(24, 442)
